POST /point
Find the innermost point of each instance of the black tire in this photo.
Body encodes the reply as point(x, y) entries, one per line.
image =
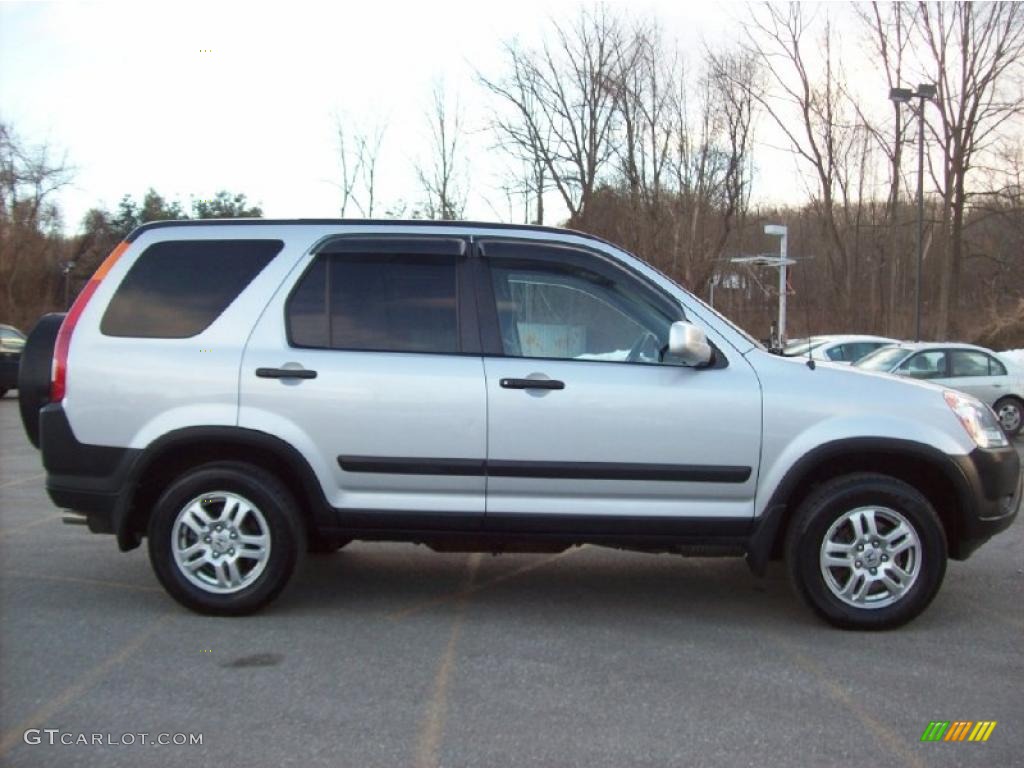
point(278, 508)
point(3, 392)
point(824, 507)
point(320, 544)
point(1015, 402)
point(34, 372)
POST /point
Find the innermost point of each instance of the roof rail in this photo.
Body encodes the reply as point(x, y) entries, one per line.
point(387, 222)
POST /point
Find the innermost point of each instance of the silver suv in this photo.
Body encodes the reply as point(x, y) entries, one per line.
point(238, 392)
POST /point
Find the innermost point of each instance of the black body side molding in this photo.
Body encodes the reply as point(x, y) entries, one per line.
point(567, 470)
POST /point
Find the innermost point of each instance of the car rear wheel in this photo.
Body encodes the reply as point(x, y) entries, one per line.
point(866, 551)
point(225, 538)
point(1010, 411)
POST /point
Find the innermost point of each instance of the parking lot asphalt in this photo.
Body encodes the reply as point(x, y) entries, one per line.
point(393, 655)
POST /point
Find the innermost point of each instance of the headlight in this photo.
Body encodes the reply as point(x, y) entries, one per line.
point(978, 420)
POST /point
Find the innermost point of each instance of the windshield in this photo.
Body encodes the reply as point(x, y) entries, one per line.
point(884, 359)
point(705, 306)
point(803, 347)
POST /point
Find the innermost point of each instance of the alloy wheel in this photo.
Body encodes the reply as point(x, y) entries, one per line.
point(220, 542)
point(870, 557)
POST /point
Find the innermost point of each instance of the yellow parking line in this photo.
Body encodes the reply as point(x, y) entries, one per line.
point(469, 590)
point(431, 731)
point(80, 580)
point(19, 481)
point(86, 681)
point(886, 736)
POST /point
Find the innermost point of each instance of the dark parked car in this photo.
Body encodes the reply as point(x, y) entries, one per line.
point(12, 341)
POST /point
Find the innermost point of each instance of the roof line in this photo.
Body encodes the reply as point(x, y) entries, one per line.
point(359, 222)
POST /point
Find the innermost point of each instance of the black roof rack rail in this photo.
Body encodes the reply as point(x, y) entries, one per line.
point(390, 222)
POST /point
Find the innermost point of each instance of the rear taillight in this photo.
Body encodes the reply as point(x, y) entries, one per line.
point(59, 372)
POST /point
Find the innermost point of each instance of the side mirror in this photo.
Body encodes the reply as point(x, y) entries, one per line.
point(688, 342)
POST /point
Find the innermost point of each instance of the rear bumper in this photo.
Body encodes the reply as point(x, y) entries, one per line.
point(89, 479)
point(996, 488)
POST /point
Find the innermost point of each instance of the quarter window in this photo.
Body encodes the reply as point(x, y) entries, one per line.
point(177, 288)
point(376, 302)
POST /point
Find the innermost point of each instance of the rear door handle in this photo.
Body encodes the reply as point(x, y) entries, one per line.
point(285, 373)
point(532, 384)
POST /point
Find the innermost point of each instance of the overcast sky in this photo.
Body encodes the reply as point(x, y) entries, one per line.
point(193, 98)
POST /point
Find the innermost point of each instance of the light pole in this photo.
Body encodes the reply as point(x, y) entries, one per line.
point(781, 262)
point(782, 231)
point(925, 92)
point(66, 268)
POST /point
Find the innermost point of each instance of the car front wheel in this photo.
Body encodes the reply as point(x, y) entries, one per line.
point(866, 551)
point(1010, 411)
point(225, 538)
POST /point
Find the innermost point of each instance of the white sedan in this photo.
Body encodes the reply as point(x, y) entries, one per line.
point(848, 348)
point(974, 370)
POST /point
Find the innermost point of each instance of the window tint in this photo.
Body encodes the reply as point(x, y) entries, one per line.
point(856, 351)
point(925, 365)
point(176, 289)
point(996, 368)
point(307, 308)
point(968, 363)
point(550, 310)
point(382, 302)
point(837, 353)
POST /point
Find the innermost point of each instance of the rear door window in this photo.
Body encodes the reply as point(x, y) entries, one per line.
point(177, 288)
point(969, 363)
point(384, 302)
point(925, 365)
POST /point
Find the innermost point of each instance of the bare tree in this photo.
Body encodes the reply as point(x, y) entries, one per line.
point(443, 180)
point(644, 90)
point(889, 30)
point(561, 102)
point(709, 160)
point(735, 77)
point(358, 154)
point(976, 58)
point(349, 160)
point(814, 116)
point(369, 154)
point(30, 222)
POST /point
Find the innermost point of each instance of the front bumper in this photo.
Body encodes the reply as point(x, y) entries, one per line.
point(996, 486)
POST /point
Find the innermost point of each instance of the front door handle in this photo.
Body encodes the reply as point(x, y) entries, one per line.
point(532, 384)
point(285, 373)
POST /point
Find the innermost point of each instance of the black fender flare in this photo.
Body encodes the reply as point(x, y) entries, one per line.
point(769, 525)
point(321, 513)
